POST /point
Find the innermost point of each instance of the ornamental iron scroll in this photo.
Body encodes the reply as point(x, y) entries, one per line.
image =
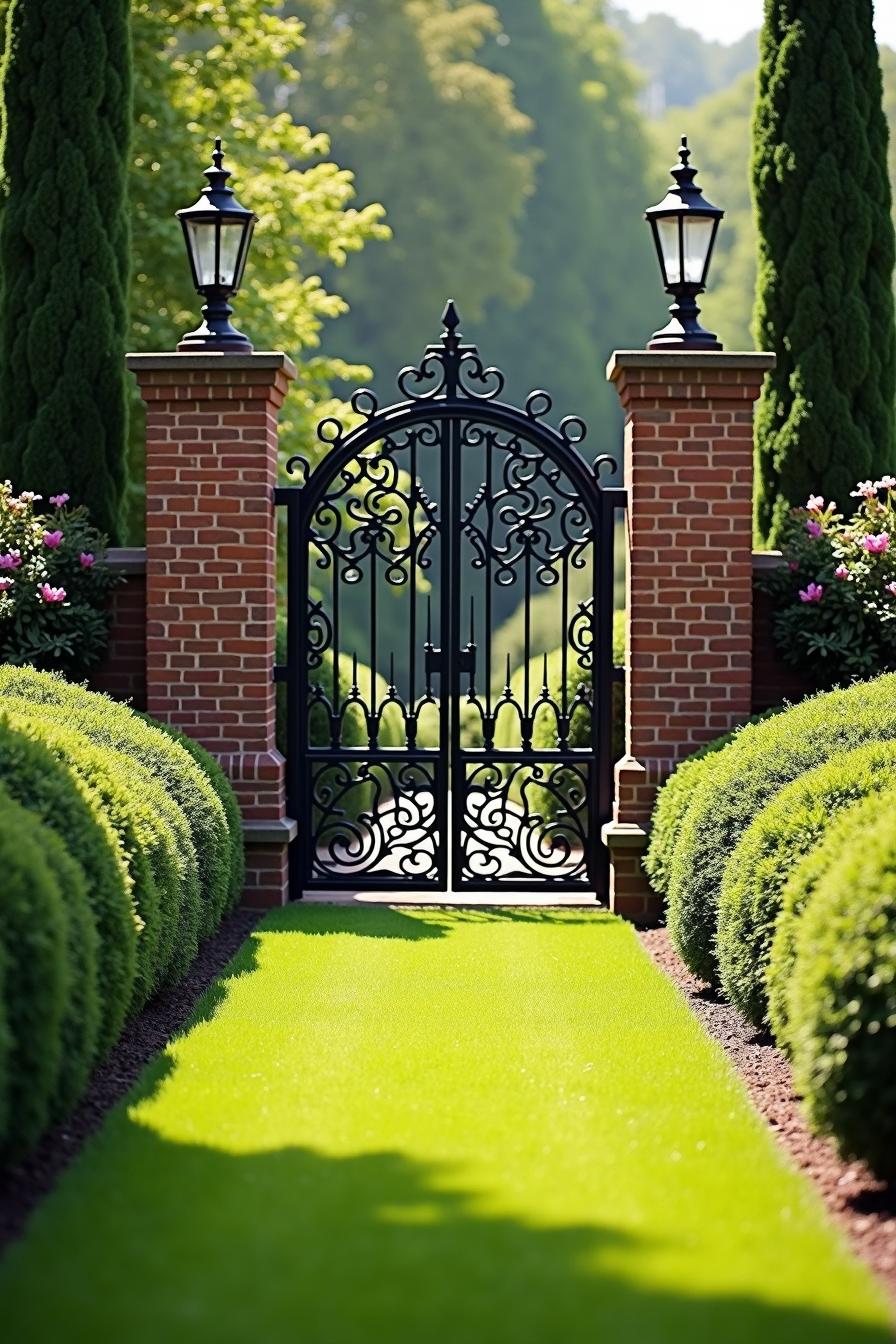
point(449, 668)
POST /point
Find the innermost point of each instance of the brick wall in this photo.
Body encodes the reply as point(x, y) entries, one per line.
point(689, 472)
point(122, 673)
point(211, 467)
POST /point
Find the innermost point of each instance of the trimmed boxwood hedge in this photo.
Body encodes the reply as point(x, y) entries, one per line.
point(119, 842)
point(34, 934)
point(873, 812)
point(36, 780)
point(671, 807)
point(761, 760)
point(154, 840)
point(780, 834)
point(842, 1000)
point(114, 725)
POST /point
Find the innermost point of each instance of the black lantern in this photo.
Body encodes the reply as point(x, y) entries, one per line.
point(217, 231)
point(684, 227)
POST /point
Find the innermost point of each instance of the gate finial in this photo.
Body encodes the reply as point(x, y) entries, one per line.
point(450, 317)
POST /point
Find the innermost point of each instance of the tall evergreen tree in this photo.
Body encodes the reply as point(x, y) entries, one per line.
point(66, 93)
point(826, 251)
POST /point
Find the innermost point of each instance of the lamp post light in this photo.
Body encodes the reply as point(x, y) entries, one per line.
point(217, 232)
point(684, 227)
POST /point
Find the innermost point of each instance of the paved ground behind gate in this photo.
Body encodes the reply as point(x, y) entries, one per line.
point(445, 1127)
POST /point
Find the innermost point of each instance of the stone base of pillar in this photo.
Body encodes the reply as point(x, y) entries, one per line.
point(267, 863)
point(631, 895)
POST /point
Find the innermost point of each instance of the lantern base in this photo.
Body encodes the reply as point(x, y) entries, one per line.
point(203, 339)
point(683, 331)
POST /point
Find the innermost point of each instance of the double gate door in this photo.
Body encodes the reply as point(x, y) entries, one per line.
point(449, 631)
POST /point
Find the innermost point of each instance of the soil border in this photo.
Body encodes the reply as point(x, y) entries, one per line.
point(863, 1205)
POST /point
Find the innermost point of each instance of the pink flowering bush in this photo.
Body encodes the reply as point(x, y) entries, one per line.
point(836, 595)
point(53, 584)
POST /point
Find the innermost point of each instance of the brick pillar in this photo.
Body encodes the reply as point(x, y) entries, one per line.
point(689, 476)
point(211, 576)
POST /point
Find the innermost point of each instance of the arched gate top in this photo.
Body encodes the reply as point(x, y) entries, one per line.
point(451, 381)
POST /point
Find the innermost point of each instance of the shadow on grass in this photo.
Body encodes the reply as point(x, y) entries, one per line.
point(193, 1244)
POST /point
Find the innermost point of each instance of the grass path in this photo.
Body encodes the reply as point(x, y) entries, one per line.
point(431, 1127)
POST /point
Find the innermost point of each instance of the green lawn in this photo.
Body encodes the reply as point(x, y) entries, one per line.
point(430, 1127)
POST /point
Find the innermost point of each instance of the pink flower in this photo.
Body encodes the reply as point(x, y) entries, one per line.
point(876, 545)
point(864, 490)
point(87, 559)
point(28, 497)
point(891, 588)
point(52, 540)
point(46, 593)
point(792, 566)
point(59, 500)
point(6, 583)
point(815, 503)
point(813, 528)
point(841, 572)
point(885, 483)
point(11, 560)
point(813, 593)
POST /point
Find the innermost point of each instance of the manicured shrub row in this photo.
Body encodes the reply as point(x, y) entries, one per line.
point(778, 852)
point(121, 849)
point(778, 837)
point(750, 770)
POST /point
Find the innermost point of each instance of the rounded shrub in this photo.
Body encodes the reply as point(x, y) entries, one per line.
point(56, 796)
point(34, 936)
point(780, 834)
point(114, 725)
point(843, 1001)
point(223, 788)
point(751, 769)
point(670, 810)
point(80, 1029)
point(874, 811)
point(154, 839)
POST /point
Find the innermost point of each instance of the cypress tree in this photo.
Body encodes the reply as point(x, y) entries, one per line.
point(824, 301)
point(64, 257)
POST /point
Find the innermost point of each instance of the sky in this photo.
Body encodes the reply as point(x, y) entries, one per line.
point(727, 20)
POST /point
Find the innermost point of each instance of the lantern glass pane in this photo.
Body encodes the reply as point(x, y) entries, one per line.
point(667, 232)
point(231, 238)
point(202, 247)
point(238, 278)
point(697, 240)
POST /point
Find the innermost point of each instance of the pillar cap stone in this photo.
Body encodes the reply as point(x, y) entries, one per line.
point(756, 361)
point(169, 361)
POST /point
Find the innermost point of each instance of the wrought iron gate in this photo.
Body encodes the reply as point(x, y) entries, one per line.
point(449, 642)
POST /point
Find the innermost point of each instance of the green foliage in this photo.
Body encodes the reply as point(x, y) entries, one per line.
point(402, 91)
point(80, 1027)
point(804, 877)
point(671, 807)
point(53, 599)
point(761, 760)
point(114, 725)
point(826, 250)
point(781, 833)
point(842, 1000)
point(74, 812)
point(33, 935)
point(153, 838)
point(835, 599)
point(591, 156)
point(64, 255)
point(198, 68)
point(224, 789)
point(681, 68)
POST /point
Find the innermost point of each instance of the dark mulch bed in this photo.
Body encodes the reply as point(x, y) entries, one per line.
point(22, 1186)
point(864, 1205)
